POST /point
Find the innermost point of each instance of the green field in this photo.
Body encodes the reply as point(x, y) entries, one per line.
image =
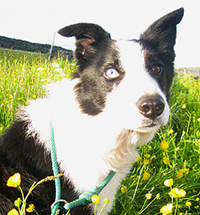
point(173, 154)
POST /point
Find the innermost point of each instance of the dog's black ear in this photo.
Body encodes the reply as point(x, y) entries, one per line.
point(162, 33)
point(87, 35)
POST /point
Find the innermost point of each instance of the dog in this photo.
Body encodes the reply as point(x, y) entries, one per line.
point(114, 102)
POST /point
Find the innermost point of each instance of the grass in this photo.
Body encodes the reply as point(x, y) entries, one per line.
point(22, 76)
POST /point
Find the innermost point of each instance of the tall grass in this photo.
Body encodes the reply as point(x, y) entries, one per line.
point(173, 154)
point(23, 75)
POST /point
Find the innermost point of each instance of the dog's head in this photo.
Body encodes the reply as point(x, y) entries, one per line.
point(130, 80)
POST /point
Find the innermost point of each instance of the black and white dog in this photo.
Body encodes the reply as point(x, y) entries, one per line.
point(116, 101)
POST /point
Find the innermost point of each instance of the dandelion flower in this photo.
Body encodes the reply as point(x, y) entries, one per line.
point(167, 209)
point(184, 106)
point(124, 189)
point(34, 96)
point(164, 146)
point(30, 208)
point(148, 195)
point(138, 159)
point(185, 171)
point(14, 181)
point(158, 196)
point(169, 182)
point(176, 193)
point(179, 175)
point(166, 160)
point(146, 176)
point(188, 204)
point(13, 212)
point(95, 199)
point(147, 155)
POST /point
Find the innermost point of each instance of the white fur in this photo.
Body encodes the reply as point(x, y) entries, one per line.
point(89, 147)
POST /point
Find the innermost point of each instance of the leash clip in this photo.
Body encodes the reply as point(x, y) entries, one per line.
point(60, 200)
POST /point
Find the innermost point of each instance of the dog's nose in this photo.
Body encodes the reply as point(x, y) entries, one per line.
point(151, 106)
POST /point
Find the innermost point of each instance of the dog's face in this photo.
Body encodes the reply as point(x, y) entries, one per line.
point(128, 80)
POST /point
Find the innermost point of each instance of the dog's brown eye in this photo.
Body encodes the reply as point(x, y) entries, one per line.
point(111, 74)
point(155, 69)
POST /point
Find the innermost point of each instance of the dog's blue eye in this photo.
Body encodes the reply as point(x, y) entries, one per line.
point(111, 73)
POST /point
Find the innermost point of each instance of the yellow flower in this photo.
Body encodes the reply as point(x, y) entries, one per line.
point(30, 208)
point(167, 209)
point(171, 131)
point(14, 181)
point(169, 182)
point(166, 160)
point(95, 199)
point(138, 159)
point(188, 204)
point(185, 171)
point(179, 175)
point(146, 176)
point(158, 196)
point(177, 149)
point(13, 212)
point(176, 193)
point(164, 146)
point(147, 155)
point(124, 189)
point(106, 201)
point(18, 202)
point(148, 195)
point(184, 106)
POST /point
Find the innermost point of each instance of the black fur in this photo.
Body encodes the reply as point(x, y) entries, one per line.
point(27, 156)
point(158, 43)
point(95, 53)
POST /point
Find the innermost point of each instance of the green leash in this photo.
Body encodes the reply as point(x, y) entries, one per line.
point(84, 198)
point(55, 170)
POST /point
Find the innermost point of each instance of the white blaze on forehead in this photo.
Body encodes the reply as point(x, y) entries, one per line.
point(132, 59)
point(137, 78)
point(137, 82)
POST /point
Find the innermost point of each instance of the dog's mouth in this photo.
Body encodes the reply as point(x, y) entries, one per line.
point(148, 128)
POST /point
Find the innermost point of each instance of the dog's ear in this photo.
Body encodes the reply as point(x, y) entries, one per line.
point(162, 33)
point(87, 35)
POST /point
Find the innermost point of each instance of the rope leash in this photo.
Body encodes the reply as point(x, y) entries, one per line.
point(55, 170)
point(84, 198)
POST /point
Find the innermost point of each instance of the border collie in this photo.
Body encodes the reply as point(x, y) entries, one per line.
point(115, 102)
